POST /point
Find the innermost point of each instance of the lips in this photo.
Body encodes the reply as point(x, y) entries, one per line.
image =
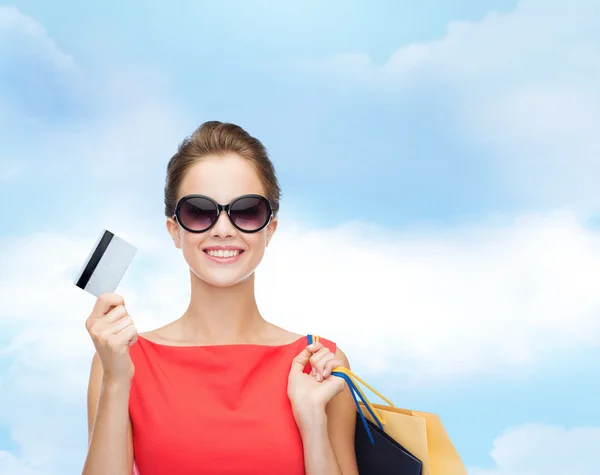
point(223, 255)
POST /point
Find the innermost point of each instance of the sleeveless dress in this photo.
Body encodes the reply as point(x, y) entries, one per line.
point(215, 410)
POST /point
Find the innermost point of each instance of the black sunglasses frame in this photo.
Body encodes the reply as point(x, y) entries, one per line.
point(219, 208)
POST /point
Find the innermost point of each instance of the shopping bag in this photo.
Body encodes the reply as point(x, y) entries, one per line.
point(423, 435)
point(420, 435)
point(379, 454)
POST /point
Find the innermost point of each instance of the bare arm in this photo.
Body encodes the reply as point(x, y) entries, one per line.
point(328, 437)
point(110, 443)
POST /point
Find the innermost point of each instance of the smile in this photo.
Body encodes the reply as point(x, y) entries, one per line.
point(224, 255)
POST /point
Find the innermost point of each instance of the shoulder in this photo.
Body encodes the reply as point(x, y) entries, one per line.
point(340, 355)
point(341, 415)
point(164, 334)
point(274, 335)
point(170, 334)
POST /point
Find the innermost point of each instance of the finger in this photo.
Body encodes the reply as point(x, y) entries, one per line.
point(300, 361)
point(317, 361)
point(115, 314)
point(315, 347)
point(330, 365)
point(119, 325)
point(127, 335)
point(104, 303)
point(314, 359)
point(320, 365)
point(99, 325)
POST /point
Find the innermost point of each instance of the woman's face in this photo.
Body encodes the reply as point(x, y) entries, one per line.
point(222, 178)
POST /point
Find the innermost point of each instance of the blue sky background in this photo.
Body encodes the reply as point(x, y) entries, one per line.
point(439, 163)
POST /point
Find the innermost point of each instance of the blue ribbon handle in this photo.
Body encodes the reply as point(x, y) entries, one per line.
point(354, 393)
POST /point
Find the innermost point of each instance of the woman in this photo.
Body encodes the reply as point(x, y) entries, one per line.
point(219, 390)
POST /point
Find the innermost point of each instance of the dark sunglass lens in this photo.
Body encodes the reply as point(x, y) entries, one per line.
point(249, 213)
point(197, 213)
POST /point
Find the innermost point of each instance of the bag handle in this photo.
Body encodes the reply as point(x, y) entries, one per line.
point(351, 379)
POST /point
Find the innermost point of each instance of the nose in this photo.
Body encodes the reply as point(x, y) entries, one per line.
point(223, 227)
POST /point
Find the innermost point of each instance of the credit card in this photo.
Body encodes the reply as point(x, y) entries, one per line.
point(106, 264)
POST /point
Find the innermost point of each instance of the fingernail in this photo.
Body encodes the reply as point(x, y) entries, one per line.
point(319, 377)
point(325, 373)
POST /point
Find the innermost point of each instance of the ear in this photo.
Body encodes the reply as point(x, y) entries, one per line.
point(174, 231)
point(272, 226)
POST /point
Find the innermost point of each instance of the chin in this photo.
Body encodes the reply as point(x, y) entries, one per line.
point(225, 275)
point(223, 280)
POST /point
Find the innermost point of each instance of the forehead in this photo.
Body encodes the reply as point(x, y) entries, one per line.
point(222, 178)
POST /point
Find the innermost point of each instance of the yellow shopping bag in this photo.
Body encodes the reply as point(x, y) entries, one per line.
point(420, 433)
point(423, 435)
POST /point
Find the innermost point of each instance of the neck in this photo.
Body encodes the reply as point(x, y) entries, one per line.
point(222, 315)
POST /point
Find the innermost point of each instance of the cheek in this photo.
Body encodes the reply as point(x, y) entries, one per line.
point(191, 246)
point(191, 241)
point(256, 240)
point(257, 255)
point(257, 243)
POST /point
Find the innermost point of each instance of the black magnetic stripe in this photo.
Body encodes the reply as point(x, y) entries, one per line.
point(86, 275)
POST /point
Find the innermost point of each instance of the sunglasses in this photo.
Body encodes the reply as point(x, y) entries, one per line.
point(248, 213)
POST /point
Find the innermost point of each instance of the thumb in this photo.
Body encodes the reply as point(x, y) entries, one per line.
point(300, 361)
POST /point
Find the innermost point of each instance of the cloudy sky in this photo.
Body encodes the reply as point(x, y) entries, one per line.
point(440, 218)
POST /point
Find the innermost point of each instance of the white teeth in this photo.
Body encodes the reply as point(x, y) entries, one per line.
point(222, 253)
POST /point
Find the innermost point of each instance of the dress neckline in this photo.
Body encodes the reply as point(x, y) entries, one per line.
point(226, 345)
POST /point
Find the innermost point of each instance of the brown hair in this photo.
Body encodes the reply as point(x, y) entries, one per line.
point(218, 138)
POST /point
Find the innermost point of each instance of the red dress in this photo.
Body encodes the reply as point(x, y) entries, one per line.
point(215, 410)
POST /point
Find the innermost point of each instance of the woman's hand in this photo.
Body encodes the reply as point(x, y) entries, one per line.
point(113, 332)
point(310, 393)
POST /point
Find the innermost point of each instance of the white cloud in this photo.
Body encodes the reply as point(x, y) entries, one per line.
point(535, 449)
point(21, 34)
point(479, 299)
point(522, 87)
point(34, 73)
point(471, 300)
point(129, 120)
point(483, 300)
point(45, 364)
